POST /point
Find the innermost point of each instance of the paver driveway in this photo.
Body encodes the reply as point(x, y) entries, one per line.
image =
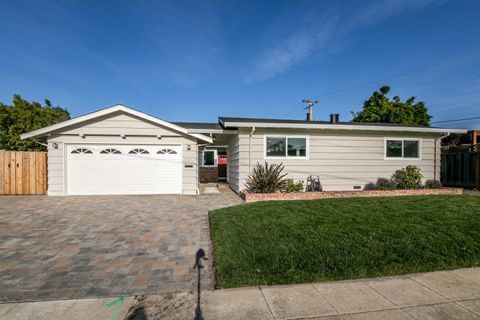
point(99, 246)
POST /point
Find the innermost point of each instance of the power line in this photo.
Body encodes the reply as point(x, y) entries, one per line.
point(456, 120)
point(292, 110)
point(433, 68)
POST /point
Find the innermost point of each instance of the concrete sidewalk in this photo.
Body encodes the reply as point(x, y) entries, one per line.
point(94, 309)
point(437, 295)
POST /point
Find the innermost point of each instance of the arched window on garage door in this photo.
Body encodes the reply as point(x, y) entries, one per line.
point(138, 151)
point(81, 151)
point(166, 151)
point(110, 151)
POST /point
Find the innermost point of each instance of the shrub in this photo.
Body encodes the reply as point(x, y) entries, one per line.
point(293, 186)
point(433, 184)
point(370, 186)
point(385, 184)
point(266, 179)
point(408, 178)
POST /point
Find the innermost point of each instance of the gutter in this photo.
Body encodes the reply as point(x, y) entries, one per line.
point(338, 127)
point(40, 143)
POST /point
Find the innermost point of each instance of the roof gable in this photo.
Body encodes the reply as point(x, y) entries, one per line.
point(108, 111)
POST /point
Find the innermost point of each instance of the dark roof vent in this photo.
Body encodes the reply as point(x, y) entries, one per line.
point(334, 118)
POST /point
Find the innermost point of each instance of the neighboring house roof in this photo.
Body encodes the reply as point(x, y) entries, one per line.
point(106, 111)
point(230, 122)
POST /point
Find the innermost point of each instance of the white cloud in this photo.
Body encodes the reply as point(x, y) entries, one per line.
point(325, 32)
point(292, 50)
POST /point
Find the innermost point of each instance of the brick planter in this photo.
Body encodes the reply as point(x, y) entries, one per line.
point(254, 197)
point(208, 174)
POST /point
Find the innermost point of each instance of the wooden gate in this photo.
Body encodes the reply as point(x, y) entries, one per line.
point(461, 168)
point(23, 172)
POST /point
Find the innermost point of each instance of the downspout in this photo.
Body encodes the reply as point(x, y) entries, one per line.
point(435, 153)
point(40, 143)
point(250, 149)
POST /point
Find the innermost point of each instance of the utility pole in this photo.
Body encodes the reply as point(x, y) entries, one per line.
point(310, 104)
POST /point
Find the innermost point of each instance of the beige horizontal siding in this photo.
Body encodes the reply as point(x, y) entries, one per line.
point(342, 160)
point(113, 124)
point(55, 166)
point(233, 169)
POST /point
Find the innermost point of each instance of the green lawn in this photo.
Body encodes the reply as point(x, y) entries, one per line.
point(304, 241)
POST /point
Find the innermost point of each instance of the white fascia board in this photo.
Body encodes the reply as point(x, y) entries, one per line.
point(202, 137)
point(338, 127)
point(106, 111)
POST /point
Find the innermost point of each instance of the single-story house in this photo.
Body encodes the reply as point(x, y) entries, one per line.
point(119, 150)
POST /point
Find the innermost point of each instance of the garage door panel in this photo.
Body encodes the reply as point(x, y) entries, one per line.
point(96, 173)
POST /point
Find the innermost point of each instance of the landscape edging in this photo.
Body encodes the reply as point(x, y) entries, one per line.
point(255, 197)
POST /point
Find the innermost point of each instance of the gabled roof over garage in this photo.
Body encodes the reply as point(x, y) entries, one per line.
point(108, 111)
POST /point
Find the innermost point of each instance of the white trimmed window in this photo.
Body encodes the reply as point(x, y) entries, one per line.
point(286, 147)
point(209, 158)
point(399, 148)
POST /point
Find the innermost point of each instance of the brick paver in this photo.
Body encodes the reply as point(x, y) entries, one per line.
point(102, 246)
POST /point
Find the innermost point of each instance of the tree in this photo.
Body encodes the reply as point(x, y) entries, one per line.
point(23, 116)
point(379, 108)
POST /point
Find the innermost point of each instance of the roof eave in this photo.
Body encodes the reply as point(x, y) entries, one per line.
point(337, 127)
point(100, 113)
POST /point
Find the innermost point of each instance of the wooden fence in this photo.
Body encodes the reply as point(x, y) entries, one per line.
point(23, 172)
point(461, 168)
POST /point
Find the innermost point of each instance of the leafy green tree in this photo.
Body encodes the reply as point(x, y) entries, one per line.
point(23, 116)
point(379, 108)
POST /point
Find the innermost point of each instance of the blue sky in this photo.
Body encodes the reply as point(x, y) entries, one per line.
point(196, 60)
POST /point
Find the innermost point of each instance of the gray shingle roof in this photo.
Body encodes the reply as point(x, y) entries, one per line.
point(199, 125)
point(265, 120)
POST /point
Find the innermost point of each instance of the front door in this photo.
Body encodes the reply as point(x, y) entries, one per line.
point(222, 165)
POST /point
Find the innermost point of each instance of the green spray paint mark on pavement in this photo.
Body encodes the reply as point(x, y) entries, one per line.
point(119, 307)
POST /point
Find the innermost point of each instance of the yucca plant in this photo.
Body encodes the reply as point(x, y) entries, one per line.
point(266, 179)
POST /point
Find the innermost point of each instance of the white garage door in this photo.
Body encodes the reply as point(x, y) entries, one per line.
point(124, 169)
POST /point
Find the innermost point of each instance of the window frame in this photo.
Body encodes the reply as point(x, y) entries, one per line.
point(286, 136)
point(133, 151)
point(215, 158)
point(403, 139)
point(110, 153)
point(89, 151)
point(170, 151)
